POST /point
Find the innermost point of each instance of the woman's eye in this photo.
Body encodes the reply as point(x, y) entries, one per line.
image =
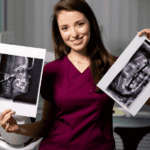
point(65, 28)
point(80, 24)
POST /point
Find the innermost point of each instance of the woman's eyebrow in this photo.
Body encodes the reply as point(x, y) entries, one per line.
point(75, 22)
point(80, 21)
point(63, 25)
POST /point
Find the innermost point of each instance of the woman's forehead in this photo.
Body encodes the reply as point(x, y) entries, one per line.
point(70, 16)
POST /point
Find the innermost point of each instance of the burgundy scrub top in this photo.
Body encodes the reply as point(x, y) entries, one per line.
point(83, 118)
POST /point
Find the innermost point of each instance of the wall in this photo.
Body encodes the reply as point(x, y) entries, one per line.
point(119, 22)
point(42, 20)
point(20, 23)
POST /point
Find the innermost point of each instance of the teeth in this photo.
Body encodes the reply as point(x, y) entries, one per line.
point(80, 38)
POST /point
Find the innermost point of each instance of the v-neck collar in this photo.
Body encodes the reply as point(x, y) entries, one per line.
point(75, 67)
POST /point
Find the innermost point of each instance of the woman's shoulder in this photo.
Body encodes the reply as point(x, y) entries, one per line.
point(53, 65)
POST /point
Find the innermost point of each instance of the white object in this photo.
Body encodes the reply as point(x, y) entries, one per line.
point(31, 146)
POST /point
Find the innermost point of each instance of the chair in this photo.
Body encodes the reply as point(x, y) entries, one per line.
point(131, 136)
point(32, 145)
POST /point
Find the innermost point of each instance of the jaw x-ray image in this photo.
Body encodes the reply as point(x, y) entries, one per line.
point(17, 75)
point(133, 78)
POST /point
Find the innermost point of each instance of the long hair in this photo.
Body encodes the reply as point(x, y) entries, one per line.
point(101, 59)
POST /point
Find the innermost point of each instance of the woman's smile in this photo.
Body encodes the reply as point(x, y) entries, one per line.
point(77, 41)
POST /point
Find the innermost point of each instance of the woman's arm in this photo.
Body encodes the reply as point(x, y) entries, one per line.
point(148, 102)
point(35, 129)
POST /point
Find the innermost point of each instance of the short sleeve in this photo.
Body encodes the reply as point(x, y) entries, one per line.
point(48, 78)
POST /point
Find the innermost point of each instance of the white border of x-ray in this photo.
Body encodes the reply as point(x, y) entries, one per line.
point(118, 66)
point(22, 109)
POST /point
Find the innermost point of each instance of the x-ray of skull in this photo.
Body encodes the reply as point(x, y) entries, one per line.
point(133, 78)
point(14, 76)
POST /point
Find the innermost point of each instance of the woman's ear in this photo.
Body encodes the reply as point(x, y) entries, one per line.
point(148, 102)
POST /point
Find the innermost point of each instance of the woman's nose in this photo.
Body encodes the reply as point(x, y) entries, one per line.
point(74, 32)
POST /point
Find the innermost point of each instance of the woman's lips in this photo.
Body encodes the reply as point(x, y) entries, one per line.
point(78, 41)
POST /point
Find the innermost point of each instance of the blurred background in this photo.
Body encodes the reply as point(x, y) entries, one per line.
point(28, 23)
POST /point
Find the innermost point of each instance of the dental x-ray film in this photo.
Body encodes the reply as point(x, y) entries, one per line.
point(127, 81)
point(20, 78)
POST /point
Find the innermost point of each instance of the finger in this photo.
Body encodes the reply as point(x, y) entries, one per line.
point(6, 129)
point(142, 32)
point(8, 115)
point(6, 119)
point(3, 125)
point(12, 112)
point(5, 112)
point(145, 31)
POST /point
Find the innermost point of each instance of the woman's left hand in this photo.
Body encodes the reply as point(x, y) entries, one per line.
point(146, 32)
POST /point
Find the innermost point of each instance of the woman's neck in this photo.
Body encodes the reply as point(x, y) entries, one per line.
point(78, 56)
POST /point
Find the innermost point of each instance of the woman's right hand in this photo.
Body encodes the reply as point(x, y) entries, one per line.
point(8, 122)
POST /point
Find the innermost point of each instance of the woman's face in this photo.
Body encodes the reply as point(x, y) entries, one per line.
point(74, 28)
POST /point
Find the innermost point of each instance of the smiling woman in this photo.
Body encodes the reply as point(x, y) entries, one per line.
point(76, 114)
point(82, 61)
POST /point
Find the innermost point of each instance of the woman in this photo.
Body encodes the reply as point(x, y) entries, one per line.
point(76, 114)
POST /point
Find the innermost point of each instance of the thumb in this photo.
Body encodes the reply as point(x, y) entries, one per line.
point(7, 127)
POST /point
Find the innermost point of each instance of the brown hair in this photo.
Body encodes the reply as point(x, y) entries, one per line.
point(101, 59)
